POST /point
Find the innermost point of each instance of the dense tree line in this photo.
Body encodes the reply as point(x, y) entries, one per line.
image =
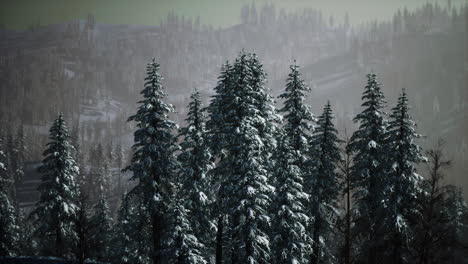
point(243, 182)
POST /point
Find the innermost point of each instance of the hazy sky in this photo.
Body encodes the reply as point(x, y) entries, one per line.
point(21, 13)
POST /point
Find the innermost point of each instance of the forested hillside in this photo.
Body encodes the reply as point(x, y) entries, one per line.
point(292, 137)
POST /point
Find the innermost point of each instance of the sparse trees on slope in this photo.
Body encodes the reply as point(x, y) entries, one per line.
point(324, 187)
point(99, 177)
point(56, 209)
point(153, 163)
point(368, 170)
point(291, 243)
point(403, 185)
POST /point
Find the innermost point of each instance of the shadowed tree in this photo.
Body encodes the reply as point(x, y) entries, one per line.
point(153, 163)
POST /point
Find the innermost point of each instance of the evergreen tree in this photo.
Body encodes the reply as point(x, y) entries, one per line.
point(325, 187)
point(297, 114)
point(217, 140)
point(290, 240)
point(26, 244)
point(368, 170)
point(153, 163)
point(101, 230)
point(132, 240)
point(56, 209)
point(9, 230)
point(195, 165)
point(244, 115)
point(403, 182)
point(183, 244)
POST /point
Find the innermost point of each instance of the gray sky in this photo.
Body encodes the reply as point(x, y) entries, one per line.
point(21, 13)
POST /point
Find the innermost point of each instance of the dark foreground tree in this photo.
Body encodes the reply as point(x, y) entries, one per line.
point(291, 242)
point(243, 116)
point(324, 187)
point(101, 231)
point(56, 210)
point(195, 160)
point(441, 208)
point(403, 182)
point(368, 171)
point(153, 163)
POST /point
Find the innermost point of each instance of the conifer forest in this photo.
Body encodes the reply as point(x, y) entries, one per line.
point(287, 136)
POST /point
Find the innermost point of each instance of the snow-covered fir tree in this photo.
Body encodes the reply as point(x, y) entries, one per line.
point(217, 112)
point(324, 187)
point(9, 230)
point(403, 182)
point(217, 141)
point(101, 230)
point(154, 163)
point(291, 242)
point(195, 160)
point(368, 144)
point(183, 245)
point(246, 128)
point(56, 209)
point(298, 117)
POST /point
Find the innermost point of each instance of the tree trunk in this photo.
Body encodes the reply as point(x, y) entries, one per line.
point(157, 227)
point(219, 240)
point(58, 242)
point(348, 223)
point(316, 249)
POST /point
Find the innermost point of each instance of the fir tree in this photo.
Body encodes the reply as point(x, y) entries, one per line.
point(9, 230)
point(131, 242)
point(247, 132)
point(368, 170)
point(153, 163)
point(403, 182)
point(324, 187)
point(217, 140)
point(56, 209)
point(101, 223)
point(183, 244)
point(195, 165)
point(298, 116)
point(290, 240)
